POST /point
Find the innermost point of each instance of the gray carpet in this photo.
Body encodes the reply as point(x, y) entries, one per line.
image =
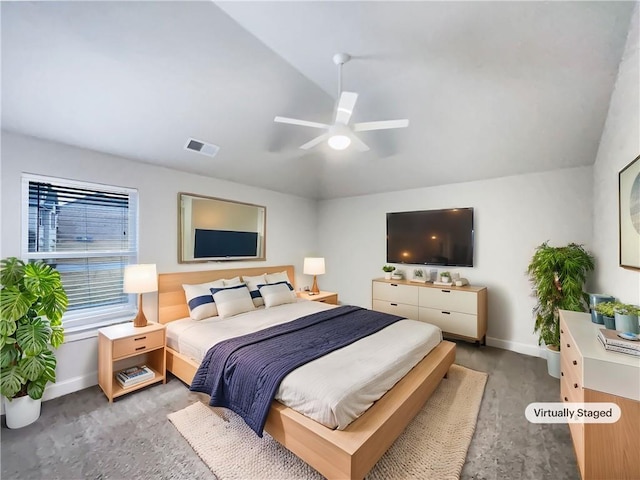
point(82, 436)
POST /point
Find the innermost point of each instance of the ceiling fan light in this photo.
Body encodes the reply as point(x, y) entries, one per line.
point(339, 142)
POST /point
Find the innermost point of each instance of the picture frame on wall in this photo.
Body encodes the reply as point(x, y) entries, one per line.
point(629, 215)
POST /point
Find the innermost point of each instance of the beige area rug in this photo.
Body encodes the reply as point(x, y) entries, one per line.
point(433, 446)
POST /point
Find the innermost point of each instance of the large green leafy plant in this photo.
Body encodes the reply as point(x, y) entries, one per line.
point(558, 275)
point(32, 302)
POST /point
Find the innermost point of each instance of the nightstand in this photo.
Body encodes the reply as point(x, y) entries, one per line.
point(122, 346)
point(324, 297)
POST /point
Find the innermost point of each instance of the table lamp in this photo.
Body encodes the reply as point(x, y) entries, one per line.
point(314, 266)
point(139, 279)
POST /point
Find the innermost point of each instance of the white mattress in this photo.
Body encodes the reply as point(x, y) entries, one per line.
point(335, 389)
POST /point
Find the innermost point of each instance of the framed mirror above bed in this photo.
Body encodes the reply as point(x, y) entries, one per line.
point(215, 229)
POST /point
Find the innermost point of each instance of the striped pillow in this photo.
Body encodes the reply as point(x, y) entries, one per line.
point(277, 294)
point(253, 283)
point(232, 301)
point(200, 300)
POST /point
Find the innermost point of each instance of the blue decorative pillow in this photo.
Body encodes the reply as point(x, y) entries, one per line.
point(200, 300)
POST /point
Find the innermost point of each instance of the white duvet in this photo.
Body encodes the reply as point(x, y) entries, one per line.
point(335, 389)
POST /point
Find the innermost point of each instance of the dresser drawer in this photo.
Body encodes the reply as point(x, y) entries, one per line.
point(570, 385)
point(400, 309)
point(137, 343)
point(451, 322)
point(449, 300)
point(393, 292)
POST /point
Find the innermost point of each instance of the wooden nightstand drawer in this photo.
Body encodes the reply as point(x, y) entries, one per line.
point(137, 343)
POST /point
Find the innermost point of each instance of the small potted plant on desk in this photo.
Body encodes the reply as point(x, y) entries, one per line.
point(32, 303)
point(626, 318)
point(445, 277)
point(607, 310)
point(387, 269)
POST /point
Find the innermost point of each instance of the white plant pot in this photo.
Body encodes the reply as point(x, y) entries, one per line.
point(553, 362)
point(21, 411)
point(387, 275)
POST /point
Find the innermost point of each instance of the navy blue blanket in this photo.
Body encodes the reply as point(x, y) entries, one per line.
point(243, 373)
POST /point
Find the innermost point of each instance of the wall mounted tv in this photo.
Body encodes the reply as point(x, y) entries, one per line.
point(431, 237)
point(224, 243)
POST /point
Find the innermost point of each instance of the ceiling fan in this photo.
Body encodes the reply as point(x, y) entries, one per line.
point(340, 134)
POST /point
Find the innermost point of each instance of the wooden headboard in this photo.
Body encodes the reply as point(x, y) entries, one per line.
point(172, 304)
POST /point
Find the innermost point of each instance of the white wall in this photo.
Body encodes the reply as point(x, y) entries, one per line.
point(512, 215)
point(620, 144)
point(291, 223)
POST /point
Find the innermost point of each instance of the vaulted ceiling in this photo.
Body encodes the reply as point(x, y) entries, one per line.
point(490, 88)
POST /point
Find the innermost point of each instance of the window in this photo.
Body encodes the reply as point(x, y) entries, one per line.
point(88, 232)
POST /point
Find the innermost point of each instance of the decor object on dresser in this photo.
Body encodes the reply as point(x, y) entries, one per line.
point(419, 276)
point(314, 266)
point(607, 311)
point(458, 311)
point(629, 214)
point(388, 270)
point(592, 374)
point(32, 302)
point(626, 318)
point(622, 342)
point(139, 279)
point(595, 299)
point(123, 346)
point(558, 275)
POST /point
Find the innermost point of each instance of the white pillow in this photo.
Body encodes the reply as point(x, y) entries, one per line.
point(277, 277)
point(230, 282)
point(277, 294)
point(231, 301)
point(200, 300)
point(253, 284)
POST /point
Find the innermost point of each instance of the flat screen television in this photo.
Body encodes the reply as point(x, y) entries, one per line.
point(224, 243)
point(431, 237)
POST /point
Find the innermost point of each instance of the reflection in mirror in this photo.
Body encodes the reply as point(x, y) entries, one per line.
point(214, 229)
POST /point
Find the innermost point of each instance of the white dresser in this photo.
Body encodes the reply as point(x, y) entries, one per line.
point(458, 311)
point(589, 373)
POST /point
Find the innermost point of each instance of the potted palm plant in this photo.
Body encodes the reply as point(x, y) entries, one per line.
point(32, 303)
point(558, 275)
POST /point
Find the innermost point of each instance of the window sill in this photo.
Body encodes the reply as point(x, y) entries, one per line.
point(90, 331)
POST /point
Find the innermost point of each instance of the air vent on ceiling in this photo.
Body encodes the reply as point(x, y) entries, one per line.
point(208, 149)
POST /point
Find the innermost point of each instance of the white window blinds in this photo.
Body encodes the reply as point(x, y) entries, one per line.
point(88, 232)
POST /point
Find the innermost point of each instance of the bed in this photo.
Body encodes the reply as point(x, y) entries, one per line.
point(348, 453)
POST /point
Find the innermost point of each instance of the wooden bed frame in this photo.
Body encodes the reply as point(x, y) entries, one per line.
point(339, 454)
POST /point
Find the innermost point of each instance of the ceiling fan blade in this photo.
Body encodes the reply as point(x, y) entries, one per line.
point(363, 127)
point(358, 144)
point(345, 107)
point(315, 141)
point(304, 123)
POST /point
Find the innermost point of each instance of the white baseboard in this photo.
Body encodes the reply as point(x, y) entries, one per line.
point(526, 349)
point(58, 389)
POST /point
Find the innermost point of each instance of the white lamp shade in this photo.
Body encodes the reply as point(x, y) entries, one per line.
point(141, 278)
point(313, 266)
